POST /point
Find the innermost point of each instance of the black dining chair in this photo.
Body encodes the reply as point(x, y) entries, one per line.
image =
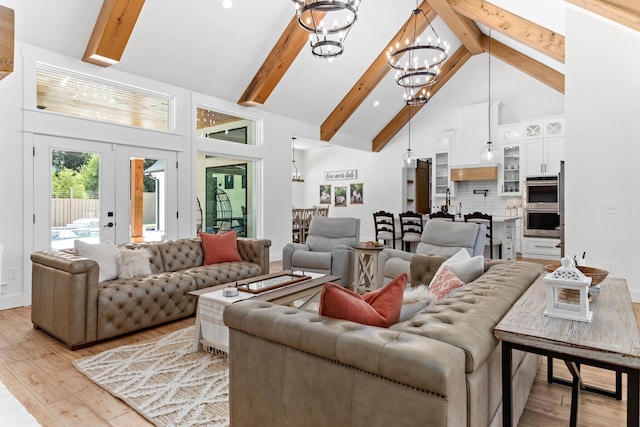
point(442, 215)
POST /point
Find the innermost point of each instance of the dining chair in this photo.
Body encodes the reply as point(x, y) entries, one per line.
point(410, 228)
point(488, 221)
point(442, 215)
point(385, 227)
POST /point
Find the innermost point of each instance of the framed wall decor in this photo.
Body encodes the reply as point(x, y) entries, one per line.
point(356, 194)
point(340, 196)
point(325, 194)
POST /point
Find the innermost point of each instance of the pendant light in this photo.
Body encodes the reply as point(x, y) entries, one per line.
point(409, 159)
point(295, 175)
point(488, 153)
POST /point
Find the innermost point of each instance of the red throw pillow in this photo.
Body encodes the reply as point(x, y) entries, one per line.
point(220, 247)
point(377, 308)
point(444, 282)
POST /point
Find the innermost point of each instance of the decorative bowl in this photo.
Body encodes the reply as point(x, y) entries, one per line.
point(597, 275)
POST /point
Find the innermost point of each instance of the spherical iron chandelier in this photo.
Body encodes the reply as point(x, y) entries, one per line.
point(417, 64)
point(328, 23)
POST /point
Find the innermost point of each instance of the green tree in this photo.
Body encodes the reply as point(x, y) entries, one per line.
point(69, 159)
point(67, 182)
point(90, 175)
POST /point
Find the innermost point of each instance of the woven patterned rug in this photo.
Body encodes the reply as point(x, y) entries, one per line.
point(164, 381)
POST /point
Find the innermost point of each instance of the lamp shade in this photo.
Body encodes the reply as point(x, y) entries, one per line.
point(488, 154)
point(409, 159)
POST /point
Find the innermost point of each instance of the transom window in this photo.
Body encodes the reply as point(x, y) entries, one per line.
point(67, 92)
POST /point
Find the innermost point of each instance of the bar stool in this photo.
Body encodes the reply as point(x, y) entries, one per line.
point(385, 227)
point(488, 221)
point(442, 215)
point(411, 228)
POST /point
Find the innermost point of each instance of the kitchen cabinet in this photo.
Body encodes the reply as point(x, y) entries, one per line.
point(442, 154)
point(544, 146)
point(540, 248)
point(409, 196)
point(509, 139)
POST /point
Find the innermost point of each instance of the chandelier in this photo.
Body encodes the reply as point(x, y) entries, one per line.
point(417, 64)
point(295, 175)
point(328, 23)
point(409, 158)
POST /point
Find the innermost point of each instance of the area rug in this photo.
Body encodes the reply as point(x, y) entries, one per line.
point(164, 381)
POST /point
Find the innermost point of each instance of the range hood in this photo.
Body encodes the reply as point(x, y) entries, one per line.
point(484, 172)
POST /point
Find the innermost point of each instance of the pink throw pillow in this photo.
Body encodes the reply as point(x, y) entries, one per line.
point(220, 247)
point(378, 308)
point(445, 282)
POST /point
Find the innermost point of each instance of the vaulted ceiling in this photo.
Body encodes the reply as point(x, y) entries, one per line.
point(257, 55)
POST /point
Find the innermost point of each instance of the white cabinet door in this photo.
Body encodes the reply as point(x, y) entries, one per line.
point(554, 153)
point(535, 157)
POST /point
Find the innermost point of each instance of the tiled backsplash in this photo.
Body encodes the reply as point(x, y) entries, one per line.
point(492, 204)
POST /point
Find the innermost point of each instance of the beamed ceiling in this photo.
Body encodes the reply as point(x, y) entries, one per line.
point(468, 20)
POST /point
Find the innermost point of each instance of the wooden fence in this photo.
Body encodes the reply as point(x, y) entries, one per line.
point(66, 211)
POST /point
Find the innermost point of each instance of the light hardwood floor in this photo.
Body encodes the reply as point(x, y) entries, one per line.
point(37, 369)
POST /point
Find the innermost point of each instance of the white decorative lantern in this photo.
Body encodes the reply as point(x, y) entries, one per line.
point(568, 277)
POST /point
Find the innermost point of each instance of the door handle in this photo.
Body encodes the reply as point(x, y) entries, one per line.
point(109, 225)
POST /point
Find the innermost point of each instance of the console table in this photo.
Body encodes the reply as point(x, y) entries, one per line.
point(611, 341)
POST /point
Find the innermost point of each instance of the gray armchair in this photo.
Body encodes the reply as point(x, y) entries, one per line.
point(442, 238)
point(328, 249)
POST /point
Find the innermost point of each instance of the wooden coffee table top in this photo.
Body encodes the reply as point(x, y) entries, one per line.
point(280, 294)
point(612, 336)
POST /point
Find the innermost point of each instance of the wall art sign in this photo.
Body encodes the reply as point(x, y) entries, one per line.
point(339, 175)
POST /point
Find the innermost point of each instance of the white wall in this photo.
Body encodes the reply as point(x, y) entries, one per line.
point(603, 147)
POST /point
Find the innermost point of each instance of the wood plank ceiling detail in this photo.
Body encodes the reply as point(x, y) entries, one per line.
point(625, 12)
point(513, 26)
point(7, 38)
point(526, 64)
point(449, 68)
point(370, 79)
point(284, 52)
point(112, 30)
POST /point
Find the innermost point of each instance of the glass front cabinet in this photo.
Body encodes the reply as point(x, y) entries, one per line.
point(511, 160)
point(442, 164)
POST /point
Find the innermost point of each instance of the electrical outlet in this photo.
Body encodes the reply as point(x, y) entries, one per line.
point(609, 266)
point(12, 273)
point(611, 209)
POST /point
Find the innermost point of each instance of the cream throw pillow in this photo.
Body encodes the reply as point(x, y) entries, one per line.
point(134, 263)
point(105, 254)
point(463, 266)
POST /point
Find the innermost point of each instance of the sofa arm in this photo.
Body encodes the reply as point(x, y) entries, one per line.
point(64, 294)
point(256, 251)
point(337, 364)
point(391, 263)
point(287, 253)
point(343, 263)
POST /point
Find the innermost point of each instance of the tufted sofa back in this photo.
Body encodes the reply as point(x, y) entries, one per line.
point(181, 254)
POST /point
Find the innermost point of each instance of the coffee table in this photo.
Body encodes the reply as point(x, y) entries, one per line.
point(611, 341)
point(306, 290)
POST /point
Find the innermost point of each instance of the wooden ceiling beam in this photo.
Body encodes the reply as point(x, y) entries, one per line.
point(464, 28)
point(513, 26)
point(449, 68)
point(7, 41)
point(625, 12)
point(370, 79)
point(282, 55)
point(111, 33)
point(526, 64)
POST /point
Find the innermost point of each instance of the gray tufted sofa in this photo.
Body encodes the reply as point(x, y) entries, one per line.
point(442, 367)
point(70, 304)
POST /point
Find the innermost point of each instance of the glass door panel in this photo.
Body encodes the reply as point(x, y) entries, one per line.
point(69, 199)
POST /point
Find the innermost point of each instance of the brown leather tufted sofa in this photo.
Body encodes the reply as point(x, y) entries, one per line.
point(442, 367)
point(70, 304)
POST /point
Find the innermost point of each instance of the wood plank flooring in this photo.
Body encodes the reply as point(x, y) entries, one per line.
point(37, 369)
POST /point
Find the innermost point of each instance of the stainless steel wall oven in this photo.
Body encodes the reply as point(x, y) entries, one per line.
point(541, 207)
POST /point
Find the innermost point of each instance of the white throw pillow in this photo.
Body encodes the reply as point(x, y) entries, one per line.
point(105, 254)
point(134, 263)
point(414, 300)
point(463, 266)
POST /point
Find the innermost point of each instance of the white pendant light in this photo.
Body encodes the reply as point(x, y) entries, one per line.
point(488, 154)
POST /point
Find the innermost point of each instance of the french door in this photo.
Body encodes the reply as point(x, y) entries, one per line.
point(97, 192)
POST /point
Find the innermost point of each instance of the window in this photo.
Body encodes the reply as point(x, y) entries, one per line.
point(225, 127)
point(74, 94)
